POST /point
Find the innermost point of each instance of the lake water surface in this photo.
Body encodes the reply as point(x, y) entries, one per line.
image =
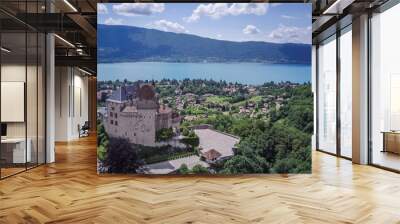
point(246, 73)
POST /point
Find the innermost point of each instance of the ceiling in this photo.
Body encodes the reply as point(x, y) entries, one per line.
point(332, 15)
point(73, 21)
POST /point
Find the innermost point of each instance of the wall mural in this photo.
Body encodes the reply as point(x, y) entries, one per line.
point(207, 88)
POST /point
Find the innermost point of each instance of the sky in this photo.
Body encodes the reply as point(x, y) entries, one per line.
point(269, 22)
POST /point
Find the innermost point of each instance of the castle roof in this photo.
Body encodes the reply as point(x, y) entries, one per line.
point(124, 93)
point(146, 92)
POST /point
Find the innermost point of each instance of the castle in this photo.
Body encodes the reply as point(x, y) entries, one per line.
point(133, 112)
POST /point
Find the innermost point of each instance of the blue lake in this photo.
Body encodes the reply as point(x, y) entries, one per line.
point(246, 73)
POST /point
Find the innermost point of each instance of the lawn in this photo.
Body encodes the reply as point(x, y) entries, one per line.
point(167, 157)
point(253, 99)
point(218, 99)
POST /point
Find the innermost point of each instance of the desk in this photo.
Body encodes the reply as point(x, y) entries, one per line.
point(391, 141)
point(13, 150)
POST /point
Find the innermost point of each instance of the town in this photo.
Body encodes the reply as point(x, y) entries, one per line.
point(232, 98)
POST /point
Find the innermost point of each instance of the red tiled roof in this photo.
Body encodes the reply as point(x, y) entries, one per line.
point(211, 154)
point(164, 110)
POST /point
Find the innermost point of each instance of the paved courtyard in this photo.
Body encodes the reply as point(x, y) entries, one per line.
point(220, 142)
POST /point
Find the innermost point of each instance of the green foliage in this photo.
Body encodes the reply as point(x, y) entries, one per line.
point(102, 142)
point(197, 110)
point(185, 131)
point(151, 154)
point(122, 156)
point(183, 169)
point(101, 152)
point(197, 169)
point(164, 134)
point(275, 141)
point(101, 134)
point(192, 141)
point(218, 99)
point(190, 138)
point(280, 144)
point(299, 110)
point(165, 157)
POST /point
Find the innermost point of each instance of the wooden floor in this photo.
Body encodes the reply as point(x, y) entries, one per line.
point(70, 191)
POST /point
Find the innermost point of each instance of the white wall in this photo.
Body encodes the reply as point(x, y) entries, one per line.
point(71, 102)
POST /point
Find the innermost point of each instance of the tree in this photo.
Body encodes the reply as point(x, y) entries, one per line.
point(102, 142)
point(190, 138)
point(121, 156)
point(101, 135)
point(192, 141)
point(183, 169)
point(164, 134)
point(101, 152)
point(240, 164)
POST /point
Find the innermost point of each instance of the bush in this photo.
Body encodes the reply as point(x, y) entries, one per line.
point(183, 169)
point(199, 169)
point(164, 134)
point(185, 131)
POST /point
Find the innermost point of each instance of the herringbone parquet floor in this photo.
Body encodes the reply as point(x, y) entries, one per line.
point(70, 191)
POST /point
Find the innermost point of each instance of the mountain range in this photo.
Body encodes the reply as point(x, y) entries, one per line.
point(117, 43)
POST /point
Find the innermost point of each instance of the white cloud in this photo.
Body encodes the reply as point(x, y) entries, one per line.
point(290, 34)
point(135, 9)
point(250, 29)
point(275, 4)
point(219, 36)
point(288, 17)
point(111, 21)
point(102, 9)
point(218, 10)
point(168, 26)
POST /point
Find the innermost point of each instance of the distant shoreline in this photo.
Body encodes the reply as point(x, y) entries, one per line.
point(210, 80)
point(242, 72)
point(208, 62)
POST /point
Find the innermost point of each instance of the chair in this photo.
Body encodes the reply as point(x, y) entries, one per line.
point(84, 130)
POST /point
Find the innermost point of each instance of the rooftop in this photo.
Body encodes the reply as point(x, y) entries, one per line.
point(124, 93)
point(130, 109)
point(211, 154)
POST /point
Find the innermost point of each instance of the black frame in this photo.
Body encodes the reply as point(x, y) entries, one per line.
point(30, 29)
point(339, 32)
point(382, 8)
